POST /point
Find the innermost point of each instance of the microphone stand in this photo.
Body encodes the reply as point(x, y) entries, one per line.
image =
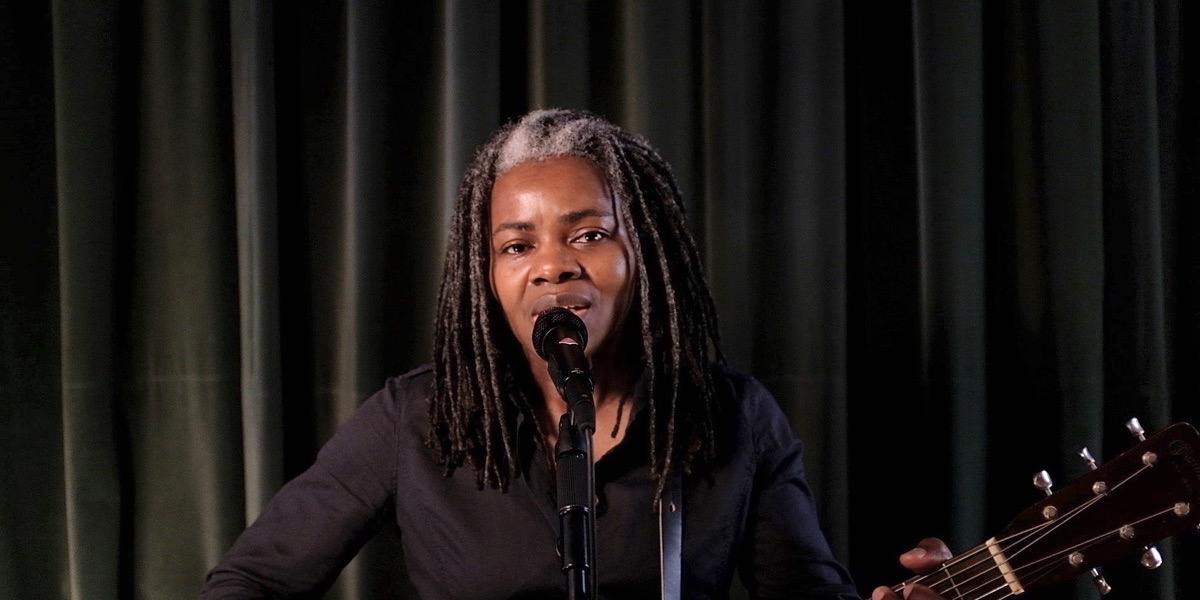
point(576, 479)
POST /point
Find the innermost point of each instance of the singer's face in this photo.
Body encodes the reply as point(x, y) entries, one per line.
point(557, 242)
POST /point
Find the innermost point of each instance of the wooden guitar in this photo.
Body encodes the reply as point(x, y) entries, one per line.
point(1148, 493)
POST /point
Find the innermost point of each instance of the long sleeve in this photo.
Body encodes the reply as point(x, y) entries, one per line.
point(785, 553)
point(318, 521)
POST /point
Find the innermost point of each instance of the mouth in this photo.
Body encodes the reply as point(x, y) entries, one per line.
point(575, 303)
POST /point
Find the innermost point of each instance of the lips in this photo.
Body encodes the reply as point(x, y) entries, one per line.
point(576, 303)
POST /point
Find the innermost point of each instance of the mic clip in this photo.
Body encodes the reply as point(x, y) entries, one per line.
point(575, 387)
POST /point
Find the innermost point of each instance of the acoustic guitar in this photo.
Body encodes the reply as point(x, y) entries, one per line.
point(1121, 508)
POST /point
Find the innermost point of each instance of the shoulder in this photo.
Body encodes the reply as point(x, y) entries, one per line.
point(759, 417)
point(418, 381)
point(406, 397)
point(400, 404)
point(744, 392)
point(738, 382)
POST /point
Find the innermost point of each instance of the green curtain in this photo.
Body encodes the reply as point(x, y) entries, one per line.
point(958, 240)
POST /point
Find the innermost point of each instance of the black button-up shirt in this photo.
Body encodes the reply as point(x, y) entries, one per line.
point(753, 513)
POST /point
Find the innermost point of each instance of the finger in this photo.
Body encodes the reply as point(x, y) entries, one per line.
point(884, 593)
point(916, 591)
point(929, 554)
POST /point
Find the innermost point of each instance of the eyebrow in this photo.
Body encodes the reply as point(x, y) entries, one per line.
point(570, 218)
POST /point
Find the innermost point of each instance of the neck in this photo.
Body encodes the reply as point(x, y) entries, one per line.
point(611, 377)
point(612, 382)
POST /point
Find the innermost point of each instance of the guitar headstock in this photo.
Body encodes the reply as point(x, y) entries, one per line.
point(1147, 493)
point(1122, 507)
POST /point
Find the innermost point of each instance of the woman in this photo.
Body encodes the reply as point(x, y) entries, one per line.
point(558, 210)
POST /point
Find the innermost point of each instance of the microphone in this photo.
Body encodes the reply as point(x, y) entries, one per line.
point(559, 336)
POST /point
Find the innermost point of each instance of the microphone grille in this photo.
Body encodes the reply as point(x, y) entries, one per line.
point(553, 319)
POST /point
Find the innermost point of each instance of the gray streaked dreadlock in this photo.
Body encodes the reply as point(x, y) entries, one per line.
point(481, 379)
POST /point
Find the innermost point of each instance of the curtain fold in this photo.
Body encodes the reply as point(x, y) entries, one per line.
point(949, 104)
point(179, 400)
point(558, 71)
point(962, 232)
point(1071, 182)
point(85, 123)
point(801, 219)
point(469, 88)
point(887, 411)
point(252, 80)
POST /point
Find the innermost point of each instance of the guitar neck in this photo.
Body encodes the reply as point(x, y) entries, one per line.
point(982, 573)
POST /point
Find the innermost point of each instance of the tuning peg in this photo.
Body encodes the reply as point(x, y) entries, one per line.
point(1100, 487)
point(1102, 585)
point(1087, 458)
point(1042, 481)
point(1135, 427)
point(1151, 559)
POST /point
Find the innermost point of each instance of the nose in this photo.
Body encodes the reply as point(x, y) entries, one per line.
point(556, 265)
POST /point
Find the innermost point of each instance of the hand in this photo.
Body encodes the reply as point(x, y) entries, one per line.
point(929, 554)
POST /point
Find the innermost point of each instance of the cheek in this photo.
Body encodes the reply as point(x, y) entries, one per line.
point(492, 284)
point(628, 268)
point(622, 283)
point(506, 292)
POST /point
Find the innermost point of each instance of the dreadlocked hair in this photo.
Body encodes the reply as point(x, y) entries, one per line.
point(481, 379)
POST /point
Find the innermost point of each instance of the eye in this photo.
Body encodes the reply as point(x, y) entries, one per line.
point(590, 236)
point(514, 248)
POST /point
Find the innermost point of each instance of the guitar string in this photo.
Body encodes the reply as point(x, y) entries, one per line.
point(1049, 526)
point(1070, 515)
point(986, 559)
point(1021, 541)
point(972, 554)
point(1035, 571)
point(973, 591)
point(1096, 540)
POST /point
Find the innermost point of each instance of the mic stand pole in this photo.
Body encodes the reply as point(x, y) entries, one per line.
point(576, 479)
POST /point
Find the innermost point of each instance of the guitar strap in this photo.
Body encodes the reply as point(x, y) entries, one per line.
point(670, 536)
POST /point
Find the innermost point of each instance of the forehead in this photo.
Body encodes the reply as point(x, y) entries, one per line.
point(561, 180)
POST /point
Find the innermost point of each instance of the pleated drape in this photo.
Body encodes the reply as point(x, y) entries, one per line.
point(958, 240)
point(252, 93)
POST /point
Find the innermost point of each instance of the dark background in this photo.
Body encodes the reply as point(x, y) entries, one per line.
point(957, 239)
